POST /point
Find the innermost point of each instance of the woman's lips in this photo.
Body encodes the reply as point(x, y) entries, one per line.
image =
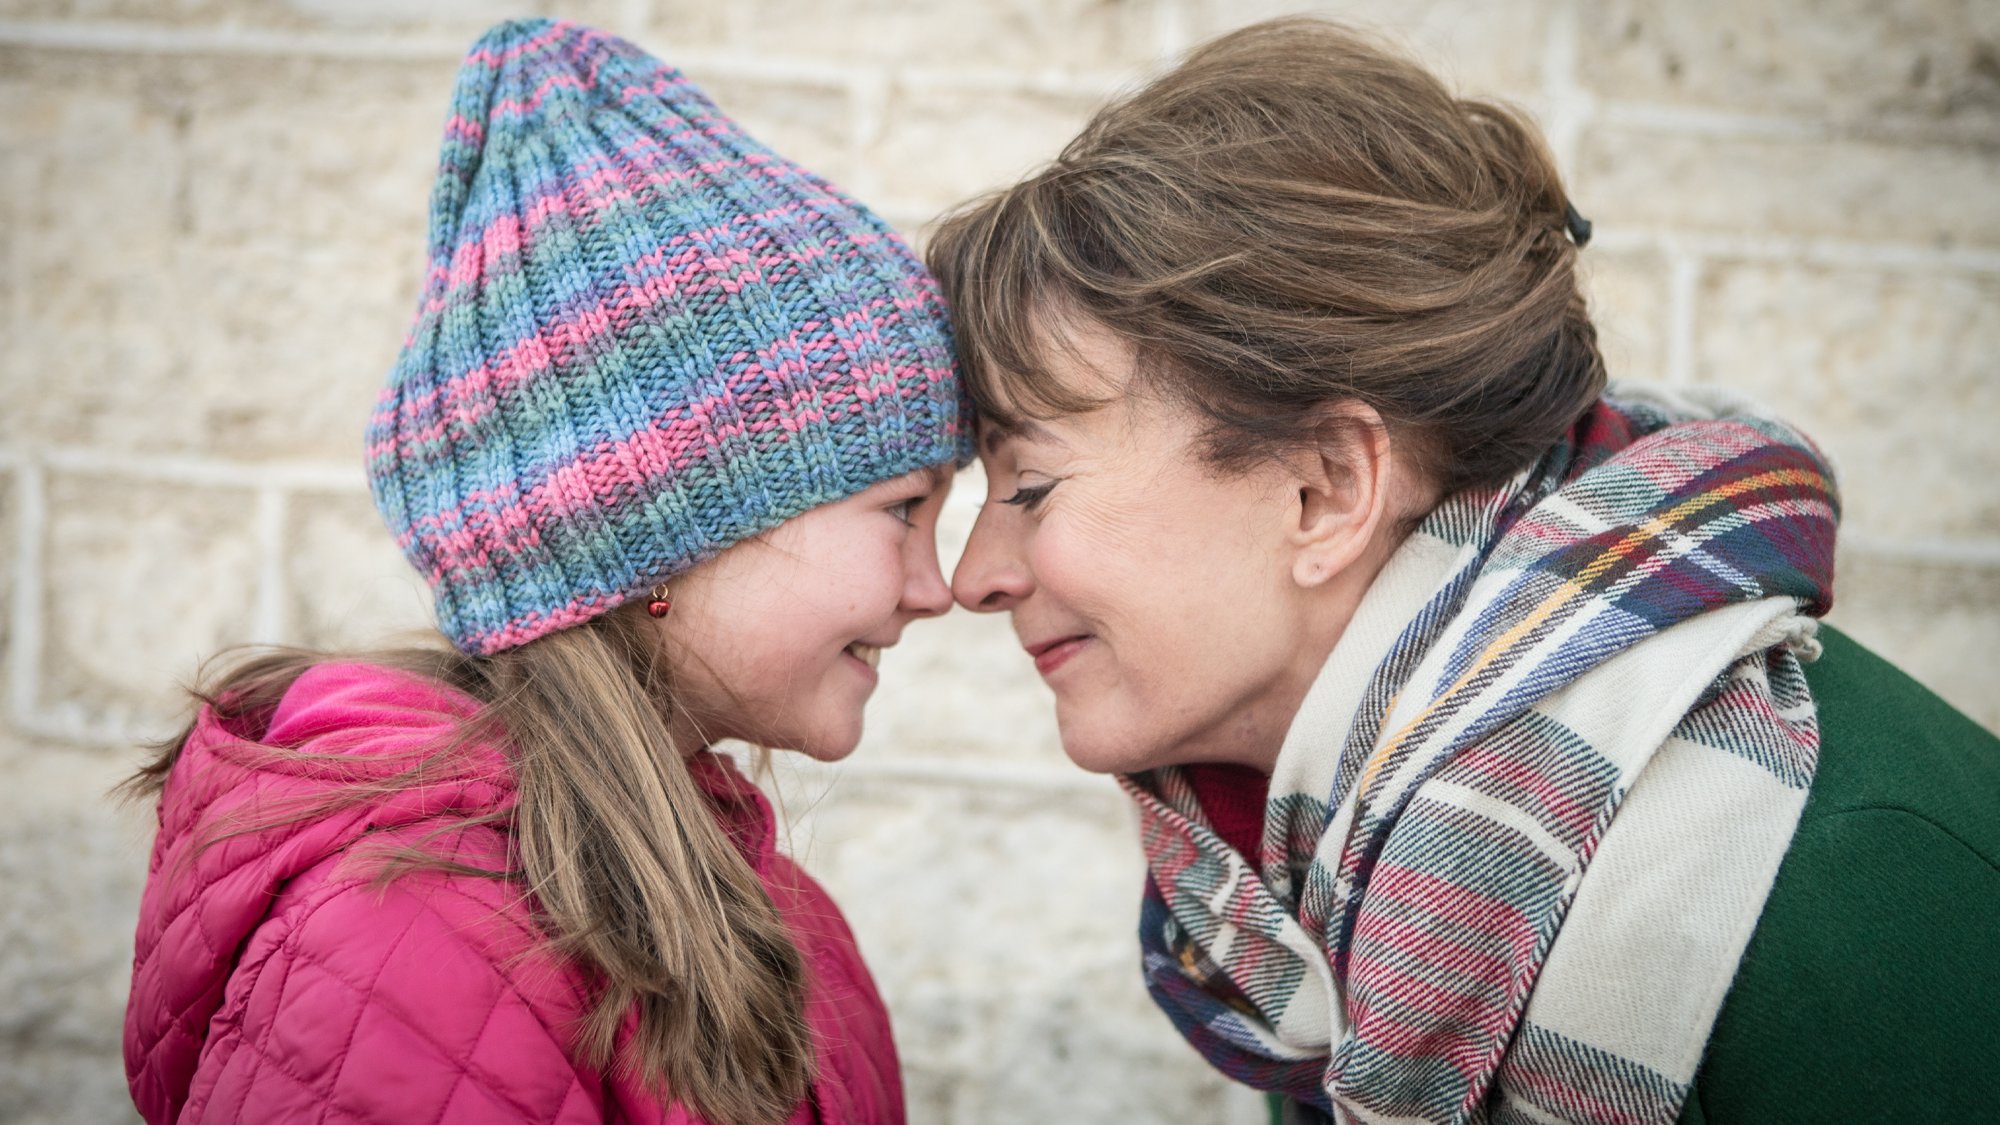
point(1051, 655)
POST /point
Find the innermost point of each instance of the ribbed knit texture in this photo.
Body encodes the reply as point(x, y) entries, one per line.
point(643, 337)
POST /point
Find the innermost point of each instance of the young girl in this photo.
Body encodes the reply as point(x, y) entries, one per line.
point(668, 440)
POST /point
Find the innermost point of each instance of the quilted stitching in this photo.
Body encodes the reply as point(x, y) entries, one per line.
point(271, 982)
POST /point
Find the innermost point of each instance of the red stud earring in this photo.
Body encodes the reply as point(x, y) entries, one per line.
point(661, 605)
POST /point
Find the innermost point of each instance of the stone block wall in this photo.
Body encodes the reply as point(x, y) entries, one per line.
point(211, 219)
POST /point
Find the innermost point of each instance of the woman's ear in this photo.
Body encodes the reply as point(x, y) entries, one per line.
point(1343, 493)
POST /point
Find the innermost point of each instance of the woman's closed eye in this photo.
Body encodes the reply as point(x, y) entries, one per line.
point(1030, 497)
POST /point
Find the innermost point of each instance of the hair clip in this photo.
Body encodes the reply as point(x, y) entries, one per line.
point(1579, 227)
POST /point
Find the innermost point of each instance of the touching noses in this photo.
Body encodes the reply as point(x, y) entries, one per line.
point(924, 591)
point(991, 575)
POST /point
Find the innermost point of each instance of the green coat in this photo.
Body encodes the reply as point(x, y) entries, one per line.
point(1871, 989)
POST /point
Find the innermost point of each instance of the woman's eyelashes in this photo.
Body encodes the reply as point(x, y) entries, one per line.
point(1031, 496)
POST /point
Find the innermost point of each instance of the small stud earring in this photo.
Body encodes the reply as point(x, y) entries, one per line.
point(661, 605)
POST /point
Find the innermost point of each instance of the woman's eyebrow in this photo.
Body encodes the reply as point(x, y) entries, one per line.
point(993, 433)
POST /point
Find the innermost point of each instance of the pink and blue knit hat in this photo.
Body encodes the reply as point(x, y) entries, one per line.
point(643, 337)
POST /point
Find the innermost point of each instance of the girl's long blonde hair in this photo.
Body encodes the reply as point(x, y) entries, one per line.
point(627, 868)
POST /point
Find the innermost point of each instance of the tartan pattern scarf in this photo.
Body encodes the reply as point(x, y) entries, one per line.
point(1527, 816)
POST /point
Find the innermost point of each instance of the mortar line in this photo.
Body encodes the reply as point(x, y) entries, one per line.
point(70, 724)
point(132, 38)
point(1981, 552)
point(1570, 104)
point(13, 211)
point(1170, 30)
point(1047, 80)
point(30, 525)
point(126, 38)
point(182, 469)
point(1094, 84)
point(267, 625)
point(1812, 250)
point(1708, 122)
point(1683, 287)
point(868, 118)
point(637, 17)
point(129, 38)
point(1691, 121)
point(756, 67)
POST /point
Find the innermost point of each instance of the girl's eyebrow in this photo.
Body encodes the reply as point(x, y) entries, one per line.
point(932, 477)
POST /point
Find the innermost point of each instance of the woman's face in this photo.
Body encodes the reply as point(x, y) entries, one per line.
point(775, 640)
point(1158, 597)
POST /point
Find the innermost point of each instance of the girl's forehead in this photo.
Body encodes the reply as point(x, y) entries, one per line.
point(929, 477)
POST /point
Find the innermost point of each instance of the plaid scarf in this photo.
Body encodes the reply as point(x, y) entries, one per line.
point(1527, 816)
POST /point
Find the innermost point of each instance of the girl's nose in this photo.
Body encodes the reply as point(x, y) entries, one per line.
point(925, 593)
point(991, 574)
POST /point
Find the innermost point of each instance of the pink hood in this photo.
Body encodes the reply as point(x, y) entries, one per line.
point(271, 982)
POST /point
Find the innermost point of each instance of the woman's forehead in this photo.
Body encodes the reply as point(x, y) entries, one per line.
point(1083, 354)
point(994, 431)
point(1140, 426)
point(1077, 369)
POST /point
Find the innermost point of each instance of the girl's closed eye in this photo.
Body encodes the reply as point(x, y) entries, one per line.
point(915, 496)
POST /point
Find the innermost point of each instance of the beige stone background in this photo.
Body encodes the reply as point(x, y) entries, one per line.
point(210, 237)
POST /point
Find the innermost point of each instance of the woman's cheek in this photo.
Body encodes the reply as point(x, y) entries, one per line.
point(1055, 558)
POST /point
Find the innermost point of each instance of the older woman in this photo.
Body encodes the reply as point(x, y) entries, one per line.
point(1489, 760)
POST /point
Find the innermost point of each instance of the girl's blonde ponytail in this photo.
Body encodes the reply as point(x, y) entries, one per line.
point(637, 880)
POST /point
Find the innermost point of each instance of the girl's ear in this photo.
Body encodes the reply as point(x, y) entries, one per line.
point(1343, 493)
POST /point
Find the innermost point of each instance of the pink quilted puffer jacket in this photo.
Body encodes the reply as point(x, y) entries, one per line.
point(271, 982)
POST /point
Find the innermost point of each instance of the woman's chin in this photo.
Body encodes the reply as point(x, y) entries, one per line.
point(1104, 752)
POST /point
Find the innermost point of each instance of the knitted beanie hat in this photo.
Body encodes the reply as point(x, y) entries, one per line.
point(643, 337)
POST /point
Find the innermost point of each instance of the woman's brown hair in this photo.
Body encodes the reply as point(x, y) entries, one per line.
point(627, 868)
point(1293, 217)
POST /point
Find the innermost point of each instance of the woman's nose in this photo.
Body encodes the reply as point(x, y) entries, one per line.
point(991, 574)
